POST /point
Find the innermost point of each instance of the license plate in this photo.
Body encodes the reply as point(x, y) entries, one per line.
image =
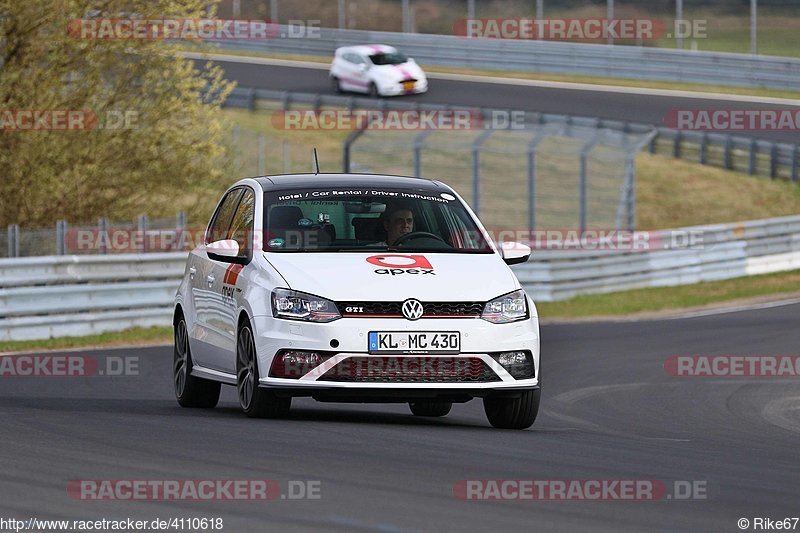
point(408, 85)
point(414, 342)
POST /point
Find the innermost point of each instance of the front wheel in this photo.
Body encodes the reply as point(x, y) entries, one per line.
point(372, 91)
point(255, 401)
point(190, 391)
point(513, 413)
point(430, 408)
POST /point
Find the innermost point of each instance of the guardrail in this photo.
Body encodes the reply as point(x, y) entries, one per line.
point(743, 154)
point(634, 62)
point(63, 296)
point(78, 295)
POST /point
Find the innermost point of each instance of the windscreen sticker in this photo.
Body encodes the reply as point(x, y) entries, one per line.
point(333, 194)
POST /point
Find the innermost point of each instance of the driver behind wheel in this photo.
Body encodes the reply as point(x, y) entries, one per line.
point(398, 220)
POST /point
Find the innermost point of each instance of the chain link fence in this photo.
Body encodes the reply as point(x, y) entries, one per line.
point(545, 176)
point(106, 237)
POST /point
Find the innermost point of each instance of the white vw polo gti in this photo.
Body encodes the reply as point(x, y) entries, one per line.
point(355, 288)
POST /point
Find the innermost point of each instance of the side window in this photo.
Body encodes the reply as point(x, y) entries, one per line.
point(242, 224)
point(218, 228)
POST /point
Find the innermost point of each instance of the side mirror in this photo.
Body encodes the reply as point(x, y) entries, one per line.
point(514, 253)
point(226, 251)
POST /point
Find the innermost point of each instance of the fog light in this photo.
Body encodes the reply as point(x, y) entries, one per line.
point(512, 358)
point(294, 364)
point(518, 364)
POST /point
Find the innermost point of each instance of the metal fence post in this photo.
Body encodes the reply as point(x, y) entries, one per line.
point(533, 145)
point(349, 142)
point(476, 174)
point(583, 184)
point(180, 229)
point(419, 142)
point(728, 152)
point(273, 11)
point(676, 145)
point(703, 149)
point(751, 164)
point(142, 223)
point(287, 157)
point(103, 238)
point(13, 240)
point(653, 147)
point(262, 156)
point(773, 161)
point(61, 237)
point(251, 99)
point(795, 157)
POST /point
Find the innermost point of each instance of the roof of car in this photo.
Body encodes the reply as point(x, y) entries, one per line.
point(326, 181)
point(367, 49)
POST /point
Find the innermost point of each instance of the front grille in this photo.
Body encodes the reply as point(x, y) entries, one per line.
point(411, 369)
point(392, 309)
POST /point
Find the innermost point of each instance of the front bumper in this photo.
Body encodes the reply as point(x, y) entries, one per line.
point(350, 336)
point(396, 88)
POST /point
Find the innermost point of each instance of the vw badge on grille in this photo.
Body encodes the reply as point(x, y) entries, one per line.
point(412, 309)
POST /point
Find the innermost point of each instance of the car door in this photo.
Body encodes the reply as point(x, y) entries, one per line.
point(228, 286)
point(206, 288)
point(353, 72)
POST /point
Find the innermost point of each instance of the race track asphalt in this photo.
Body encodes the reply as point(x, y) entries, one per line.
point(644, 108)
point(609, 411)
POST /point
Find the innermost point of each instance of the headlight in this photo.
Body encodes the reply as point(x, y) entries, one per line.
point(294, 305)
point(507, 308)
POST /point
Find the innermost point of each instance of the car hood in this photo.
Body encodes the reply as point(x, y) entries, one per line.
point(396, 277)
point(399, 72)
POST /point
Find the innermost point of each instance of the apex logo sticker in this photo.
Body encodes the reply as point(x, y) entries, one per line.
point(397, 264)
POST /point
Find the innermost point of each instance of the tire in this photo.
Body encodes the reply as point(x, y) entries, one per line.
point(255, 401)
point(513, 413)
point(372, 91)
point(336, 85)
point(430, 408)
point(190, 391)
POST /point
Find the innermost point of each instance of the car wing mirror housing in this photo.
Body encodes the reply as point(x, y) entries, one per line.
point(514, 253)
point(226, 250)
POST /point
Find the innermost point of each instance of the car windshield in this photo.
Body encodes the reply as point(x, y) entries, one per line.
point(369, 219)
point(391, 58)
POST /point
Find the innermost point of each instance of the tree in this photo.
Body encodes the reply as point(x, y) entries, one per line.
point(152, 138)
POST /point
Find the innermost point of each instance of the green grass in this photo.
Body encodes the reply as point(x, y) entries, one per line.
point(672, 298)
point(673, 193)
point(130, 337)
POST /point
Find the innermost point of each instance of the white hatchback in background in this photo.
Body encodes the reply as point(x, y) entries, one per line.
point(355, 288)
point(377, 70)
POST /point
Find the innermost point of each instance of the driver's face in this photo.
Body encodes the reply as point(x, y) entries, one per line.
point(400, 222)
